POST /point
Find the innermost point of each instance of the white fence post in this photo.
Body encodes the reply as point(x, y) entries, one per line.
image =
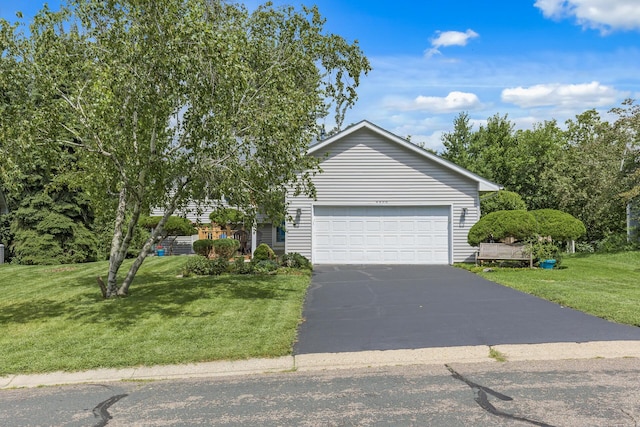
point(1, 253)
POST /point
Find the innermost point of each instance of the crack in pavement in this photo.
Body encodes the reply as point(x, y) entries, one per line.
point(480, 397)
point(102, 409)
point(635, 422)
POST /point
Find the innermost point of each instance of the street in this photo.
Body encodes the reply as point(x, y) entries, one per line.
point(593, 392)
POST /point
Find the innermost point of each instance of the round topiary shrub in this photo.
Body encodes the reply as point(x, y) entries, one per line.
point(225, 248)
point(203, 247)
point(502, 200)
point(558, 225)
point(263, 253)
point(502, 224)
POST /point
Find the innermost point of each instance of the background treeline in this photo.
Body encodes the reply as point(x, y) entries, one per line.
point(588, 168)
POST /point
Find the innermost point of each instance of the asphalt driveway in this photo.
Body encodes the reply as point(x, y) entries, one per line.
point(356, 308)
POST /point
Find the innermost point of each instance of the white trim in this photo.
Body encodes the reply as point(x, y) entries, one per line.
point(483, 184)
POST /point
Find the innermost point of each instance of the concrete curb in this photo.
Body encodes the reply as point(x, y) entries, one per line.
point(331, 361)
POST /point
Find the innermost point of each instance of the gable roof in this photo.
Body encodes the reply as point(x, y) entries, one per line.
point(483, 184)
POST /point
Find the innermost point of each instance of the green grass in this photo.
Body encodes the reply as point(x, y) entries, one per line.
point(54, 318)
point(605, 285)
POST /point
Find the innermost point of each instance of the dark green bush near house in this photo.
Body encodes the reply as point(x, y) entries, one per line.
point(265, 267)
point(558, 225)
point(197, 265)
point(203, 247)
point(295, 260)
point(263, 253)
point(502, 200)
point(502, 224)
point(226, 248)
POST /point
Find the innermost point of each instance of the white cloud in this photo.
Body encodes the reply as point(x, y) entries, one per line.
point(449, 38)
point(454, 101)
point(604, 15)
point(568, 95)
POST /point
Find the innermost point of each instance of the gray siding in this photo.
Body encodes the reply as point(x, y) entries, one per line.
point(364, 168)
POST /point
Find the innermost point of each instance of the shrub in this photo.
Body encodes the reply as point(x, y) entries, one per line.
point(585, 247)
point(558, 225)
point(225, 248)
point(218, 266)
point(266, 267)
point(295, 260)
point(501, 201)
point(502, 224)
point(616, 242)
point(197, 265)
point(263, 253)
point(241, 267)
point(544, 249)
point(203, 247)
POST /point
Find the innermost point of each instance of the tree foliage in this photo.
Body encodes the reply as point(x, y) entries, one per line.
point(499, 225)
point(589, 170)
point(558, 225)
point(501, 201)
point(172, 101)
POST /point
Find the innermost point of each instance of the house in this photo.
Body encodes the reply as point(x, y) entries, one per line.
point(384, 200)
point(380, 200)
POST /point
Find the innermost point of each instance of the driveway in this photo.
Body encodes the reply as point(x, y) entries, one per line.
point(356, 308)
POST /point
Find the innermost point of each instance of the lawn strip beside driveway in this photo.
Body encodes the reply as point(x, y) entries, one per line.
point(362, 308)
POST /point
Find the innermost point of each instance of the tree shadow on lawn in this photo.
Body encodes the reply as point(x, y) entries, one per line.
point(170, 297)
point(150, 294)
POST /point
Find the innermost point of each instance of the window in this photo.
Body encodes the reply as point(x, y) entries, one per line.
point(280, 233)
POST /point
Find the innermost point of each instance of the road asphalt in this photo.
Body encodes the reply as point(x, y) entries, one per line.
point(330, 361)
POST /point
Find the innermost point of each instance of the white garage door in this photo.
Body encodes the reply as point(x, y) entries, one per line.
point(381, 235)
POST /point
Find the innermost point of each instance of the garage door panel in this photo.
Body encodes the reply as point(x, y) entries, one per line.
point(381, 234)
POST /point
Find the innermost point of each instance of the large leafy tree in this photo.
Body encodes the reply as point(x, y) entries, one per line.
point(179, 100)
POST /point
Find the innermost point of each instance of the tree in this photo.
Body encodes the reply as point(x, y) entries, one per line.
point(586, 181)
point(180, 100)
point(500, 225)
point(175, 226)
point(457, 144)
point(500, 201)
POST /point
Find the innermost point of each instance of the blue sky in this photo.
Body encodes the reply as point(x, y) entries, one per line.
point(531, 59)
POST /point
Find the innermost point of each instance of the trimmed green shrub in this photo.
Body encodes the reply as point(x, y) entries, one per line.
point(203, 247)
point(558, 225)
point(502, 224)
point(225, 248)
point(502, 200)
point(197, 265)
point(295, 260)
point(263, 253)
point(266, 266)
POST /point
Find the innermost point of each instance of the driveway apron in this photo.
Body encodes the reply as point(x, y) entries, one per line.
point(357, 308)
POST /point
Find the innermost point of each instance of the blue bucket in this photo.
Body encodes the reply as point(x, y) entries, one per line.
point(161, 252)
point(548, 264)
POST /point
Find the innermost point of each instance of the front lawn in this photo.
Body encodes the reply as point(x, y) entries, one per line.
point(605, 285)
point(54, 318)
